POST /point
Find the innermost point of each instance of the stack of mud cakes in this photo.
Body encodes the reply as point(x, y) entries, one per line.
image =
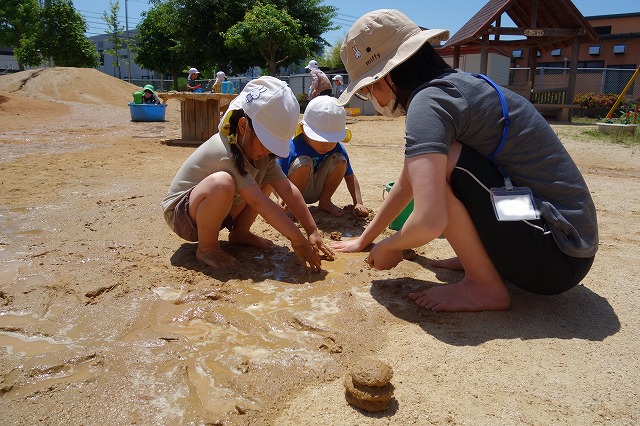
point(368, 385)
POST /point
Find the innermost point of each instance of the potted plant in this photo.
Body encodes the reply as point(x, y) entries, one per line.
point(627, 122)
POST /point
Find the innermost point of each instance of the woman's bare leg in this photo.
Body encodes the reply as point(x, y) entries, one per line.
point(482, 288)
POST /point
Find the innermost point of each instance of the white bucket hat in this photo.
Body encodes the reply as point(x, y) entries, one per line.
point(273, 110)
point(312, 65)
point(377, 43)
point(337, 77)
point(324, 120)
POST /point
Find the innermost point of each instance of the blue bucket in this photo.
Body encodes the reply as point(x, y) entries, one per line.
point(226, 87)
point(147, 112)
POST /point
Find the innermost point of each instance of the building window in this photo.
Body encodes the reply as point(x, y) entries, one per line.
point(594, 50)
point(604, 30)
point(619, 49)
point(556, 52)
point(516, 54)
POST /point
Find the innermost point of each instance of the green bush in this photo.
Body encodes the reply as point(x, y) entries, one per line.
point(591, 100)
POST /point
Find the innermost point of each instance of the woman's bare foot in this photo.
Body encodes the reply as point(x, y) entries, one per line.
point(330, 208)
point(451, 263)
point(249, 239)
point(215, 257)
point(464, 296)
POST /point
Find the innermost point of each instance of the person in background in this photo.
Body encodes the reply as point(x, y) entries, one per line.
point(192, 84)
point(320, 84)
point(217, 85)
point(338, 85)
point(226, 181)
point(483, 167)
point(150, 96)
point(318, 162)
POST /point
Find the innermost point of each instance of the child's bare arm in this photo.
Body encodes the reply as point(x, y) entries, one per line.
point(353, 186)
point(291, 195)
point(276, 217)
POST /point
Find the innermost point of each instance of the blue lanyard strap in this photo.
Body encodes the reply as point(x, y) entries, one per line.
point(505, 113)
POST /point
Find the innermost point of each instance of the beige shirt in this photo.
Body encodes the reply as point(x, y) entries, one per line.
point(214, 155)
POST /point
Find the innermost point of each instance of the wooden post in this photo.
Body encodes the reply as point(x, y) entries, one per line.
point(573, 75)
point(456, 56)
point(484, 55)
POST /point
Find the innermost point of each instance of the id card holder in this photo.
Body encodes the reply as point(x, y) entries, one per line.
point(514, 203)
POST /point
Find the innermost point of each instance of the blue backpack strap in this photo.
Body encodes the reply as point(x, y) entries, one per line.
point(505, 113)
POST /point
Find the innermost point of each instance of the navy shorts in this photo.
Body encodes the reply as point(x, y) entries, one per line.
point(523, 252)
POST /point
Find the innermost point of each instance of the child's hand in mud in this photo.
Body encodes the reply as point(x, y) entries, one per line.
point(318, 243)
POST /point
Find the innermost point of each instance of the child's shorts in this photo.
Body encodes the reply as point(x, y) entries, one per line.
point(524, 252)
point(186, 228)
point(315, 185)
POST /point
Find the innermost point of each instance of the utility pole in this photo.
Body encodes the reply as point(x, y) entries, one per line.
point(126, 20)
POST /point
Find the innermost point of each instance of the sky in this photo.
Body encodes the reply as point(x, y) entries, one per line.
point(451, 15)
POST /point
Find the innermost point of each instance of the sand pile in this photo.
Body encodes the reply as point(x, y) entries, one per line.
point(66, 84)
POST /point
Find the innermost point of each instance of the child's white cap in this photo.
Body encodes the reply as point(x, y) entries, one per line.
point(273, 110)
point(324, 120)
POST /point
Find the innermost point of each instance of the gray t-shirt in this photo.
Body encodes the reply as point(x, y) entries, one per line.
point(214, 155)
point(458, 106)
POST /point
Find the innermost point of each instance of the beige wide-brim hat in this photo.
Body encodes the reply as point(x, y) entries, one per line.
point(377, 43)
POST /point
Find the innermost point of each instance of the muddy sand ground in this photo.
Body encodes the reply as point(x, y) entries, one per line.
point(106, 318)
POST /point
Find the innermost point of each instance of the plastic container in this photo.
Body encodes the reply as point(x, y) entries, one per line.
point(226, 87)
point(147, 112)
point(399, 221)
point(137, 97)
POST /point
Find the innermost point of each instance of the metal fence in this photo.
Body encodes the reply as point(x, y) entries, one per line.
point(588, 80)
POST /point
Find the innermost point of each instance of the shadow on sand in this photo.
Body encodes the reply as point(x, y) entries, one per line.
point(576, 314)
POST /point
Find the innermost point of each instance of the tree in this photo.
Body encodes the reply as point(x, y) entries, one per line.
point(59, 36)
point(18, 19)
point(114, 33)
point(202, 25)
point(158, 45)
point(273, 33)
point(331, 58)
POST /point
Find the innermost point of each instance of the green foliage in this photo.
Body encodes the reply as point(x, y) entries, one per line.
point(274, 33)
point(591, 100)
point(158, 46)
point(114, 33)
point(18, 19)
point(331, 58)
point(200, 27)
point(58, 36)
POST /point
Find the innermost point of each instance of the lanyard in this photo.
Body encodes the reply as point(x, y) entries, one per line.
point(505, 130)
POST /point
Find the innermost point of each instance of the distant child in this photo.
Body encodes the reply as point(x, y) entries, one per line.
point(338, 87)
point(226, 182)
point(318, 162)
point(192, 84)
point(150, 96)
point(217, 86)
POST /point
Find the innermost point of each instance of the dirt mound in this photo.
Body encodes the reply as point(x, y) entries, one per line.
point(66, 84)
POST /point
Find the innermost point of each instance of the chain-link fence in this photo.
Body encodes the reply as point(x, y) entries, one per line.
point(588, 80)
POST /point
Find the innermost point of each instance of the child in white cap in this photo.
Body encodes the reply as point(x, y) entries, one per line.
point(339, 85)
point(317, 161)
point(192, 84)
point(227, 180)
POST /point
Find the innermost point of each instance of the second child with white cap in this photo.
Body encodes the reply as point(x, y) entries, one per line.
point(226, 182)
point(318, 162)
